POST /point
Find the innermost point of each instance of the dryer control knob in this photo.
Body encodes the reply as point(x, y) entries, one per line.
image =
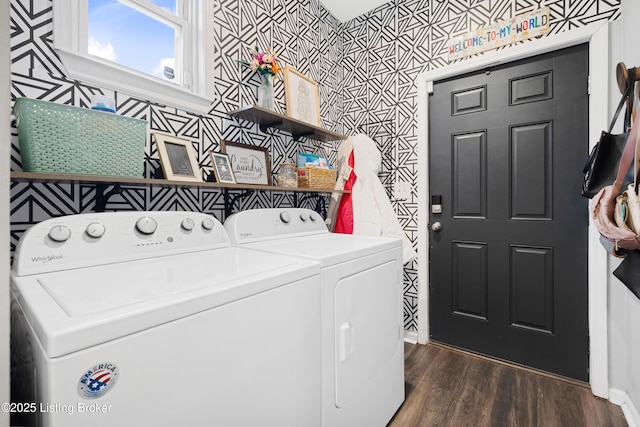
point(304, 217)
point(146, 225)
point(207, 224)
point(59, 233)
point(285, 217)
point(187, 224)
point(313, 217)
point(95, 230)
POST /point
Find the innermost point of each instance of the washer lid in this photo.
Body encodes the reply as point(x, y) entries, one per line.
point(75, 309)
point(328, 248)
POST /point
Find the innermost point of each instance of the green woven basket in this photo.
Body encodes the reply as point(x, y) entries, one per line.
point(59, 138)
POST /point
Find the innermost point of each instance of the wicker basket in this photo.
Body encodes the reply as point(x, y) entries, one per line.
point(59, 138)
point(316, 178)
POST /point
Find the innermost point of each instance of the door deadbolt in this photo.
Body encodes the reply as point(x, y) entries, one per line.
point(436, 204)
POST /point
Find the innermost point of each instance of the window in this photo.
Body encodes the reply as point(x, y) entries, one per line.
point(148, 48)
point(145, 40)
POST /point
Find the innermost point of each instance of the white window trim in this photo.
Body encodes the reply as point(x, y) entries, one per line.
point(70, 29)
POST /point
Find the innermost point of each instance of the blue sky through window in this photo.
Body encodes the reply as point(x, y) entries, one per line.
point(130, 38)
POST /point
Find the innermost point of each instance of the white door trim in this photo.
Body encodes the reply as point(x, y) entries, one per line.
point(597, 35)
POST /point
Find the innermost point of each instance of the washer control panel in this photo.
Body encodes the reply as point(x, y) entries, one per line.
point(85, 240)
point(261, 224)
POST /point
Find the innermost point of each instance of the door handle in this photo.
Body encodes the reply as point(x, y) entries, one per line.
point(346, 341)
point(436, 226)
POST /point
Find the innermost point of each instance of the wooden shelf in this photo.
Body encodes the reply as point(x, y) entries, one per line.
point(102, 183)
point(270, 119)
point(94, 179)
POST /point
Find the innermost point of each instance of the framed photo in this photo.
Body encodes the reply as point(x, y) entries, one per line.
point(250, 164)
point(301, 93)
point(222, 168)
point(178, 158)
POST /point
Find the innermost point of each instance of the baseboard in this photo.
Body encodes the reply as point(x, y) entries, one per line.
point(622, 399)
point(411, 337)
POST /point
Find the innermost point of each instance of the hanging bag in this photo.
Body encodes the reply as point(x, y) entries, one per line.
point(605, 206)
point(628, 272)
point(627, 210)
point(602, 166)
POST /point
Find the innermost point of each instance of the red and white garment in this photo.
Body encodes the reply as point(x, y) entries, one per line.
point(366, 210)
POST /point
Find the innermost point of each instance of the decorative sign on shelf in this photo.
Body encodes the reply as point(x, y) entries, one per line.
point(518, 28)
point(250, 164)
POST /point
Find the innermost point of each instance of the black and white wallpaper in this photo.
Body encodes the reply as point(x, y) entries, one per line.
point(366, 69)
point(385, 50)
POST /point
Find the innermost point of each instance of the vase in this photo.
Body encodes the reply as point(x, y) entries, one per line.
point(265, 92)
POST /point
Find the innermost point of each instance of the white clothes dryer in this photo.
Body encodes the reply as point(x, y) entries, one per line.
point(362, 329)
point(154, 319)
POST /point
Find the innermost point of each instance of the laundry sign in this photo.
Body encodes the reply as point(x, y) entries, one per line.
point(518, 28)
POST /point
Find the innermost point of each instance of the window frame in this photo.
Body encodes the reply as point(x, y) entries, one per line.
point(70, 41)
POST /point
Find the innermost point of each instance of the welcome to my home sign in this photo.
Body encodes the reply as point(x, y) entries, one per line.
point(518, 28)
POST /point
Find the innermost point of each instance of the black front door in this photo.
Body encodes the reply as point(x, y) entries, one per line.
point(508, 267)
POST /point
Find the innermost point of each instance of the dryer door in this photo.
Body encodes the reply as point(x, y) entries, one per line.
point(367, 327)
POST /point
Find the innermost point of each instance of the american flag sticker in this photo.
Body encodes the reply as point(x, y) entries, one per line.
point(98, 380)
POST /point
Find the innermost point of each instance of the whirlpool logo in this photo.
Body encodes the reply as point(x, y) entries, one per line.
point(47, 258)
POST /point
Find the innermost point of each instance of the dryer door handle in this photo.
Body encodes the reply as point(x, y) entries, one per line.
point(346, 341)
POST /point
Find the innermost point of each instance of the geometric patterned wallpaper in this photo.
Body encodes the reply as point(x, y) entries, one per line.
point(37, 72)
point(366, 69)
point(385, 50)
point(303, 34)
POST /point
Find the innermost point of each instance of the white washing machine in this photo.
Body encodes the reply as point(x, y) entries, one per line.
point(154, 319)
point(362, 329)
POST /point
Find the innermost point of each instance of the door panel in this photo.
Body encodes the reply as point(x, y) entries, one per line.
point(469, 101)
point(532, 288)
point(531, 88)
point(508, 268)
point(470, 279)
point(531, 166)
point(469, 172)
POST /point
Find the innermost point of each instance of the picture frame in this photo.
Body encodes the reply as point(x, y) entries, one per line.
point(222, 168)
point(178, 158)
point(250, 164)
point(302, 98)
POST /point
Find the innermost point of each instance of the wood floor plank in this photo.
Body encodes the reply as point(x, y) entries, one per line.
point(448, 387)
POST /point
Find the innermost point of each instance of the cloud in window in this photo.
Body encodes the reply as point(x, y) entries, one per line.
point(98, 49)
point(158, 71)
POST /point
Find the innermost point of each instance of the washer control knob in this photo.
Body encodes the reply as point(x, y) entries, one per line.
point(207, 224)
point(146, 225)
point(187, 224)
point(285, 217)
point(313, 217)
point(95, 230)
point(304, 217)
point(59, 233)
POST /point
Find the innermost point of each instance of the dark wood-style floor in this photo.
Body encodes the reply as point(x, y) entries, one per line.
point(449, 387)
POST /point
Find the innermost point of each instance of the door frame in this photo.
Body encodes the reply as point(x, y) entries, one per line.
point(597, 35)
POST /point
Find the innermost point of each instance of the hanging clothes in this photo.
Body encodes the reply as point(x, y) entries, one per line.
point(366, 210)
point(344, 215)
